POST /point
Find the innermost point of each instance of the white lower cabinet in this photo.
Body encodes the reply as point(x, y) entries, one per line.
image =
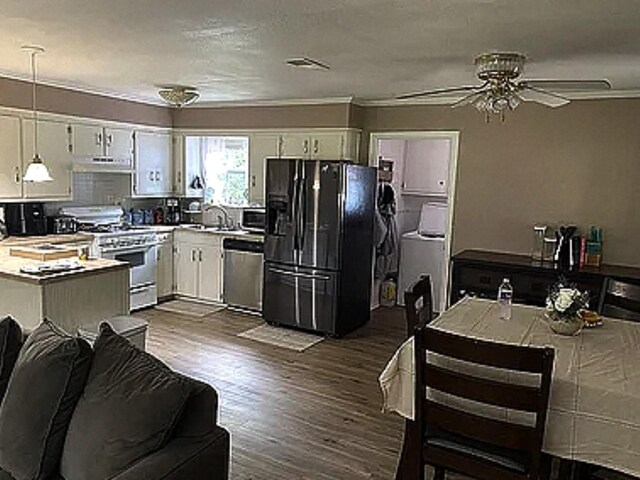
point(165, 265)
point(198, 265)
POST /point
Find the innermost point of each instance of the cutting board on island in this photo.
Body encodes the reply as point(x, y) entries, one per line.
point(43, 253)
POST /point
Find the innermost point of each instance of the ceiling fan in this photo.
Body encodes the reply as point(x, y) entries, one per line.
point(501, 90)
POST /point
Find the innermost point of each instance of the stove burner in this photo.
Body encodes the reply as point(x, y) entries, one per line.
point(111, 228)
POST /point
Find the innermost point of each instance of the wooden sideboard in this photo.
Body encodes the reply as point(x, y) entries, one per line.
point(479, 273)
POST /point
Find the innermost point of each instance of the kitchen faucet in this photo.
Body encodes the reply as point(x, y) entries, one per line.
point(223, 222)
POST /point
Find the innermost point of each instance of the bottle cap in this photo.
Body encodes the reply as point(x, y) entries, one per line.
point(505, 280)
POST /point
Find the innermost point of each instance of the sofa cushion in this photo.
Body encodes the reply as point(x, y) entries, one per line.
point(47, 381)
point(10, 345)
point(129, 409)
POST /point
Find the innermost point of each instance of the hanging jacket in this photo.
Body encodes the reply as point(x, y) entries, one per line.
point(386, 232)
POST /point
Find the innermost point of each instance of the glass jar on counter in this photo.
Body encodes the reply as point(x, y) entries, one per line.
point(549, 249)
point(537, 248)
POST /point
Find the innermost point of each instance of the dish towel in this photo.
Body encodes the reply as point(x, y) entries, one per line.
point(397, 382)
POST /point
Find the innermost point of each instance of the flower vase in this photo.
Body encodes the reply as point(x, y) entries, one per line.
point(564, 325)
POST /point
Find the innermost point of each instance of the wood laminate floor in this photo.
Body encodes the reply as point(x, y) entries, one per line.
point(314, 415)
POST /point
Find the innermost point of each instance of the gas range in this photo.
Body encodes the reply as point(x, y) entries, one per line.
point(133, 245)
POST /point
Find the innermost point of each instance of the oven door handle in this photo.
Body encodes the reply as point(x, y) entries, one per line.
point(133, 249)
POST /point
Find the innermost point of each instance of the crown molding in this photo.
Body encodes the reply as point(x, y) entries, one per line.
point(272, 103)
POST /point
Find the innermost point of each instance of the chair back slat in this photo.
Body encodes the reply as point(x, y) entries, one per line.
point(487, 430)
point(508, 395)
point(418, 303)
point(500, 355)
point(621, 300)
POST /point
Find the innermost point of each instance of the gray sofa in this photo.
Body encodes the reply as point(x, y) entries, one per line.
point(197, 448)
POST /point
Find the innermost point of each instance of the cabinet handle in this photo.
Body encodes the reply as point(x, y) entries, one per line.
point(179, 178)
point(200, 256)
point(17, 174)
point(253, 181)
point(193, 255)
point(109, 140)
point(98, 139)
point(316, 146)
point(151, 173)
point(280, 145)
point(305, 148)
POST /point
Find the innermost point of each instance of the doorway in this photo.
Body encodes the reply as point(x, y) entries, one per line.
point(421, 169)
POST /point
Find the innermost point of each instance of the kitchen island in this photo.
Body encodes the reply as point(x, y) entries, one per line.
point(73, 299)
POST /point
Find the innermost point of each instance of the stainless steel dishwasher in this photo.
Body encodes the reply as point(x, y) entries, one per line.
point(243, 261)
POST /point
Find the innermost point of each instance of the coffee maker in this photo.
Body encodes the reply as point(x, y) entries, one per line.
point(172, 211)
point(23, 219)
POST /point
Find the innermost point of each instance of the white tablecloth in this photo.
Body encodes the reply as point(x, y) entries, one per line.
point(594, 407)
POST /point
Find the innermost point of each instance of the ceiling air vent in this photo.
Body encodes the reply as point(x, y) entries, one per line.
point(306, 62)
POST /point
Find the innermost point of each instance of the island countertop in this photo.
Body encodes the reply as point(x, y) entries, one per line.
point(10, 268)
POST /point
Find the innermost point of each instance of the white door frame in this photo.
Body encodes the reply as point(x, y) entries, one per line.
point(452, 135)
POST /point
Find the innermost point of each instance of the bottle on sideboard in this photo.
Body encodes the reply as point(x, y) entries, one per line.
point(505, 298)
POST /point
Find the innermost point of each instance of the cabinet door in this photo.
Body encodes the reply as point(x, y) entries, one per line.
point(426, 167)
point(296, 145)
point(154, 171)
point(87, 140)
point(192, 166)
point(53, 148)
point(186, 269)
point(261, 146)
point(210, 273)
point(10, 158)
point(327, 146)
point(165, 268)
point(119, 144)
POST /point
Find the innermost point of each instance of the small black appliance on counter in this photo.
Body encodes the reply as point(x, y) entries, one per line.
point(24, 219)
point(172, 211)
point(62, 224)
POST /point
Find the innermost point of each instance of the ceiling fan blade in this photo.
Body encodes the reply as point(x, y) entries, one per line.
point(568, 85)
point(468, 99)
point(438, 92)
point(532, 94)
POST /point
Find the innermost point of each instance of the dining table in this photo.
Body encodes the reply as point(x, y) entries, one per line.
point(594, 404)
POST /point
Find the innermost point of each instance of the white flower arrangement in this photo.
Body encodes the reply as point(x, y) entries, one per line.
point(565, 301)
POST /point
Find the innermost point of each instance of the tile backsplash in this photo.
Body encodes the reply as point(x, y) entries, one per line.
point(100, 188)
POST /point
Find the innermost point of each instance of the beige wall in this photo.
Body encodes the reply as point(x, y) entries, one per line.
point(248, 117)
point(579, 163)
point(17, 94)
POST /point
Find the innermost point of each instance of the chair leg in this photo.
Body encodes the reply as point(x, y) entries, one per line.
point(439, 474)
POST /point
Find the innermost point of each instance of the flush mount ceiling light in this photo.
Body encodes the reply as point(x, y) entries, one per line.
point(501, 91)
point(36, 171)
point(179, 96)
point(308, 63)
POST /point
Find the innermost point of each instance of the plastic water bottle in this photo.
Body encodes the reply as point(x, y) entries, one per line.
point(505, 297)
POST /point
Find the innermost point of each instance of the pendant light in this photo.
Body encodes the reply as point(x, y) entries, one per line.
point(37, 171)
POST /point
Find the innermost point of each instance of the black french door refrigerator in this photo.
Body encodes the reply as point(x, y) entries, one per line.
point(318, 244)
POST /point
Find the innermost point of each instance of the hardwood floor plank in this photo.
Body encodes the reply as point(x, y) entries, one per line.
point(314, 415)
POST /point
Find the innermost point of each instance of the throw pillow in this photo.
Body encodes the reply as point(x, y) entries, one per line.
point(47, 381)
point(129, 409)
point(10, 344)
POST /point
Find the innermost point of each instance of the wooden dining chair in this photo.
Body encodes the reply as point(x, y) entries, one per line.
point(477, 446)
point(418, 303)
point(620, 300)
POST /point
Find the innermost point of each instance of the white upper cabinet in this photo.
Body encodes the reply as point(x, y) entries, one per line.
point(10, 158)
point(153, 169)
point(426, 167)
point(296, 145)
point(87, 140)
point(189, 166)
point(99, 142)
point(53, 148)
point(119, 144)
point(261, 146)
point(321, 145)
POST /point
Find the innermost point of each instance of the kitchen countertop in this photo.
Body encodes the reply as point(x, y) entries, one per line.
point(10, 268)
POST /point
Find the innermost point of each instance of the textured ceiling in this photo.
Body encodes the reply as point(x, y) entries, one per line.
point(234, 50)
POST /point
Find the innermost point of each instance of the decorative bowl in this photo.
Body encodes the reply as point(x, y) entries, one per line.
point(564, 326)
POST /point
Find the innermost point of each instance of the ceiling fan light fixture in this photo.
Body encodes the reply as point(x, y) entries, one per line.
point(499, 66)
point(179, 96)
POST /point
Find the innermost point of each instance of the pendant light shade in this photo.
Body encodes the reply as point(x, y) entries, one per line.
point(37, 171)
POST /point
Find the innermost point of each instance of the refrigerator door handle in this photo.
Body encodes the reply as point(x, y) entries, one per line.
point(299, 274)
point(294, 211)
point(302, 212)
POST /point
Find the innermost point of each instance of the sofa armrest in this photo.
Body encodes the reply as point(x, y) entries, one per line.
point(205, 458)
